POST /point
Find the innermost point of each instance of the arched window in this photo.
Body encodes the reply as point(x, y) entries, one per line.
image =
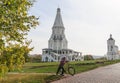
point(46, 59)
point(111, 48)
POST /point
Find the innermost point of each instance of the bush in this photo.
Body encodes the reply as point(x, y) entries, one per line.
point(35, 58)
point(88, 57)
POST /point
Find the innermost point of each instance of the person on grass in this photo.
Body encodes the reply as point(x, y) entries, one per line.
point(61, 66)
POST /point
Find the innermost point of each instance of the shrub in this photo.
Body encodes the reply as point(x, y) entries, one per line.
point(88, 57)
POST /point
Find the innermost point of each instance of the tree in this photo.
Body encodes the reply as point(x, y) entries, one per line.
point(35, 58)
point(15, 24)
point(88, 57)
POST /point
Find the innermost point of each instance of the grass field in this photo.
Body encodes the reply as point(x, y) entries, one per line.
point(24, 78)
point(45, 72)
point(51, 67)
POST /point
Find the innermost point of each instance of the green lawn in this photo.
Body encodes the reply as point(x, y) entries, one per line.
point(48, 67)
point(51, 67)
point(39, 72)
point(24, 78)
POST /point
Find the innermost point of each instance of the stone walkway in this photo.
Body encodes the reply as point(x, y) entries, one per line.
point(108, 74)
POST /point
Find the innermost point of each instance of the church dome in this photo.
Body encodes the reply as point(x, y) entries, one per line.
point(110, 37)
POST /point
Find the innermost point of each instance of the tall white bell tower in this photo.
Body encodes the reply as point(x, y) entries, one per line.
point(112, 49)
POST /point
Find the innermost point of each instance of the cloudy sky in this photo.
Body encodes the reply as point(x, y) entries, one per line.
point(88, 24)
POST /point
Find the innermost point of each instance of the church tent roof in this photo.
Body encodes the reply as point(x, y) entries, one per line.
point(58, 19)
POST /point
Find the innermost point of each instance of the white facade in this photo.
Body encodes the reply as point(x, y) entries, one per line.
point(112, 49)
point(58, 45)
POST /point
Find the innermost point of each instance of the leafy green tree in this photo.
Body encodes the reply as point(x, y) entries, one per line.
point(35, 58)
point(15, 24)
point(88, 57)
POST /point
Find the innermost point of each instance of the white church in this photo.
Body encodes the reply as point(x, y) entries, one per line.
point(58, 44)
point(112, 49)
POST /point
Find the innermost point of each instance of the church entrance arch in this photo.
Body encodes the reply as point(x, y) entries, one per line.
point(46, 59)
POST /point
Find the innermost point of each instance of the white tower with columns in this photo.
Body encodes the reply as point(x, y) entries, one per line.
point(112, 49)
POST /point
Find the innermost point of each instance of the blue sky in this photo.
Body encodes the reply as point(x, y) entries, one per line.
point(88, 24)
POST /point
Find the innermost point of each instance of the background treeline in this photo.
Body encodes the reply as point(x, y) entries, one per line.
point(34, 58)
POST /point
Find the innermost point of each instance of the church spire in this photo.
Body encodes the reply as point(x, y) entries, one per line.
point(58, 19)
point(110, 35)
point(58, 40)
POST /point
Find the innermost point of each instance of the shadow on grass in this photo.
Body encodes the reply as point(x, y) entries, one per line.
point(52, 78)
point(34, 67)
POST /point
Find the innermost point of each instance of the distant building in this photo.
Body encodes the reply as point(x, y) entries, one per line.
point(112, 49)
point(58, 44)
point(97, 56)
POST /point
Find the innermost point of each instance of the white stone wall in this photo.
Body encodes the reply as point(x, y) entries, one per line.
point(56, 57)
point(110, 44)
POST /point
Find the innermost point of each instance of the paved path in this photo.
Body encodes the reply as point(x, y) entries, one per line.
point(108, 74)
